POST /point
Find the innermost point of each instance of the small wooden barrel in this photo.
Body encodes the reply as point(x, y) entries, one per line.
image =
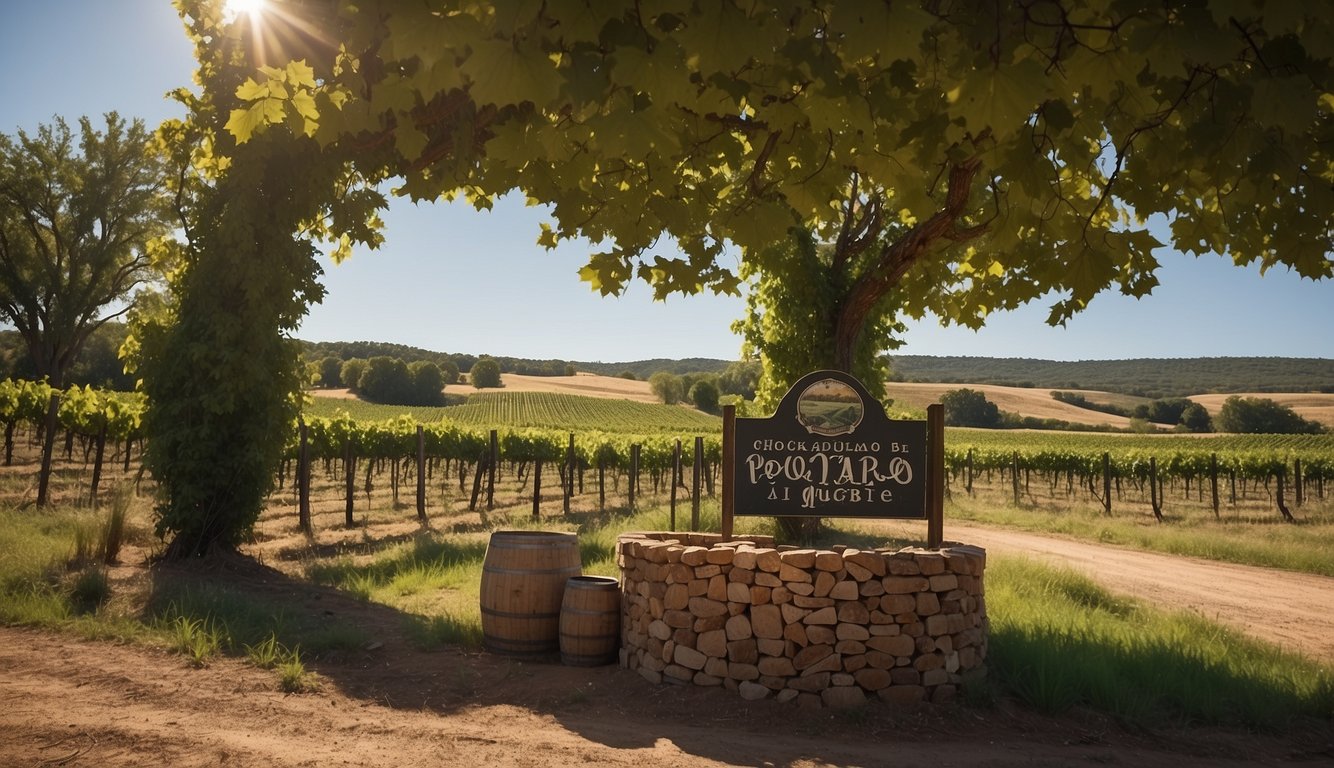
point(590, 621)
point(523, 581)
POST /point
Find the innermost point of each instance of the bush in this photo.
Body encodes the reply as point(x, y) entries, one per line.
point(628, 375)
point(705, 396)
point(485, 373)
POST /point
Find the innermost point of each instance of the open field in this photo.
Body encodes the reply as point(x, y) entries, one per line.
point(1037, 403)
point(588, 384)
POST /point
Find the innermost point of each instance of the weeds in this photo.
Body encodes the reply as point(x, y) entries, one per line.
point(197, 639)
point(293, 677)
point(113, 531)
point(90, 589)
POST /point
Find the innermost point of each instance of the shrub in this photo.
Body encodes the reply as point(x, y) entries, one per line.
point(705, 396)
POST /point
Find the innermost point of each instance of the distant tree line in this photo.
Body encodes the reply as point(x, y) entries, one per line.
point(1180, 412)
point(1153, 378)
point(365, 350)
point(705, 390)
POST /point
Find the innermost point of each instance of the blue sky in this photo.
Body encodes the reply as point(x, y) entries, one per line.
point(453, 280)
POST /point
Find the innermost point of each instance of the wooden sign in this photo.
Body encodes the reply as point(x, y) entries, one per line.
point(829, 450)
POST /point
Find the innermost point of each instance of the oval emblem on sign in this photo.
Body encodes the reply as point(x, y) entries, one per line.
point(830, 407)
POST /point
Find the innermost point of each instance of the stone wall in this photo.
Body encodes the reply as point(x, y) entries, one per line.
point(823, 627)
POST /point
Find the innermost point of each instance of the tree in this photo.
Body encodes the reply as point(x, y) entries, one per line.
point(973, 160)
point(668, 387)
point(350, 372)
point(740, 378)
point(1195, 418)
point(1261, 415)
point(485, 373)
point(449, 371)
point(969, 408)
point(705, 395)
point(427, 383)
point(791, 322)
point(331, 370)
point(973, 157)
point(1164, 411)
point(80, 221)
point(386, 380)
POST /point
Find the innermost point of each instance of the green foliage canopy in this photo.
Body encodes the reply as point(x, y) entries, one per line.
point(704, 394)
point(485, 373)
point(83, 222)
point(1018, 147)
point(667, 387)
point(969, 408)
point(1261, 415)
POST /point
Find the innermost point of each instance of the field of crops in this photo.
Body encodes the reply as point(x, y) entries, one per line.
point(538, 410)
point(622, 436)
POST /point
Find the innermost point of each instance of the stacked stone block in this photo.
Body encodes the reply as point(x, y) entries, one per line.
point(822, 627)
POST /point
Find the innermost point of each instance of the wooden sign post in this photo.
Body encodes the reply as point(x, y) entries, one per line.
point(829, 450)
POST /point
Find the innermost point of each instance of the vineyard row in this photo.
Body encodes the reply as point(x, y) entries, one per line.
point(1086, 465)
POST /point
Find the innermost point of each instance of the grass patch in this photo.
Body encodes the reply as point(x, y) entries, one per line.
point(197, 639)
point(293, 677)
point(241, 620)
point(1059, 641)
point(1306, 546)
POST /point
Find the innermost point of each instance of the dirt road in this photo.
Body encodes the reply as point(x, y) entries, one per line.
point(1292, 610)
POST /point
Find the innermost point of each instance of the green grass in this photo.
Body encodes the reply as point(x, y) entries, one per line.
point(49, 576)
point(1261, 540)
point(240, 619)
point(1059, 641)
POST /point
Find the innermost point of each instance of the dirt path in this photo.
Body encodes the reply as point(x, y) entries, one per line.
point(80, 703)
point(1292, 610)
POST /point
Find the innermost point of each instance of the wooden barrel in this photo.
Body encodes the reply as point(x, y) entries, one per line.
point(523, 581)
point(590, 621)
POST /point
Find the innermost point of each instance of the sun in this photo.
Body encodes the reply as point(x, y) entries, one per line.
point(234, 9)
